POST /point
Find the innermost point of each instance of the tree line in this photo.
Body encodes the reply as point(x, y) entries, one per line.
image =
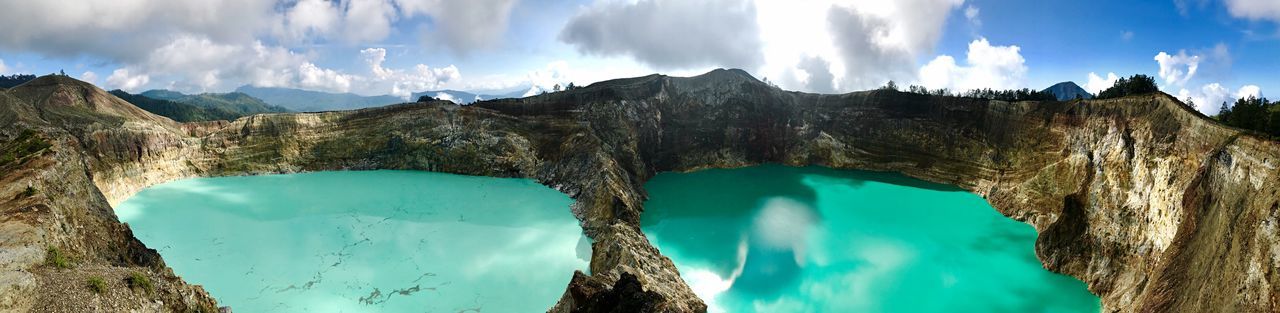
point(1252, 113)
point(1011, 95)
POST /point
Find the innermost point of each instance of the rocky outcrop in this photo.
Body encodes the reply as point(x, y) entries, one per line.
point(1156, 207)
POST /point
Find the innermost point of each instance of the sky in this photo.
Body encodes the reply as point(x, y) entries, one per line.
point(1204, 51)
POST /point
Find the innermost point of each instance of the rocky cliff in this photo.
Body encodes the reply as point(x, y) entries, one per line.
point(1154, 206)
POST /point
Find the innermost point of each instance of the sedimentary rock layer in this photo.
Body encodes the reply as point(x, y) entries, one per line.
point(1156, 207)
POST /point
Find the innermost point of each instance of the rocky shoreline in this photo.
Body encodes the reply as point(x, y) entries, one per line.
point(1156, 207)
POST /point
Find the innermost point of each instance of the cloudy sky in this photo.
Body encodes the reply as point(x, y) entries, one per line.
point(1204, 50)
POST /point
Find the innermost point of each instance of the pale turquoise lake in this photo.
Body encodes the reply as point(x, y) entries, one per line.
point(781, 239)
point(378, 241)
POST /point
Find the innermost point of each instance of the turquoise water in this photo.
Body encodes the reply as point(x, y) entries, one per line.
point(782, 239)
point(380, 241)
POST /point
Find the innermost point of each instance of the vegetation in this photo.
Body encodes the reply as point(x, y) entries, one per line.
point(54, 257)
point(138, 281)
point(27, 193)
point(26, 144)
point(1013, 95)
point(234, 102)
point(1252, 113)
point(426, 99)
point(1134, 85)
point(197, 108)
point(97, 285)
point(11, 81)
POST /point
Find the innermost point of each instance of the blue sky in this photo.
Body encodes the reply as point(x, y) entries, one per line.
point(1214, 50)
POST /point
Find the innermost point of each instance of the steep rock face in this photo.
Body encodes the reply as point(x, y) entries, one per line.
point(58, 230)
point(1151, 204)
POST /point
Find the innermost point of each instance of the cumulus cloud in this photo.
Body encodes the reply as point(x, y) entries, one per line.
point(865, 42)
point(1208, 99)
point(996, 67)
point(1249, 91)
point(125, 30)
point(217, 45)
point(819, 77)
point(1177, 70)
point(368, 20)
point(309, 18)
point(669, 33)
point(462, 26)
point(404, 82)
point(313, 77)
point(1254, 9)
point(123, 79)
point(1097, 84)
point(88, 76)
point(545, 80)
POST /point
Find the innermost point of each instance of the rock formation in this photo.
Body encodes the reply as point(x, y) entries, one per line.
point(1156, 207)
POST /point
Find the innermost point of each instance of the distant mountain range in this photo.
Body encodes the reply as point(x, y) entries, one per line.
point(1065, 91)
point(196, 108)
point(311, 101)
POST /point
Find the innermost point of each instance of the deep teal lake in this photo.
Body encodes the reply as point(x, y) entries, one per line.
point(783, 239)
point(378, 241)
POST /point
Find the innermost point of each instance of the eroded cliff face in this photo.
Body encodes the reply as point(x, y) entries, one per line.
point(1154, 206)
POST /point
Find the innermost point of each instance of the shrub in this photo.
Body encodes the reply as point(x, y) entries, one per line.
point(55, 258)
point(137, 280)
point(30, 191)
point(97, 285)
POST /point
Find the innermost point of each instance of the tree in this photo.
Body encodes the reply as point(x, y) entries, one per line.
point(890, 86)
point(1252, 113)
point(426, 98)
point(1133, 85)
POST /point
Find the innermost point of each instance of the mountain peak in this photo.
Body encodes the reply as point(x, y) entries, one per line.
point(1065, 91)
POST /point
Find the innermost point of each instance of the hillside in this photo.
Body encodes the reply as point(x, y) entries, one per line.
point(233, 104)
point(1156, 208)
point(316, 101)
point(177, 111)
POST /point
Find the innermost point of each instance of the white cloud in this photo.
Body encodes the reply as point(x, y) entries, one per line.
point(462, 25)
point(309, 18)
point(545, 80)
point(669, 33)
point(1210, 97)
point(3, 69)
point(995, 67)
point(88, 76)
point(446, 97)
point(972, 13)
point(1176, 70)
point(126, 30)
point(818, 76)
point(368, 20)
point(1249, 91)
point(405, 82)
point(1254, 9)
point(313, 77)
point(865, 42)
point(123, 79)
point(1097, 84)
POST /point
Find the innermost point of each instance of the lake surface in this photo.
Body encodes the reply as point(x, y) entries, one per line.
point(378, 241)
point(782, 239)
